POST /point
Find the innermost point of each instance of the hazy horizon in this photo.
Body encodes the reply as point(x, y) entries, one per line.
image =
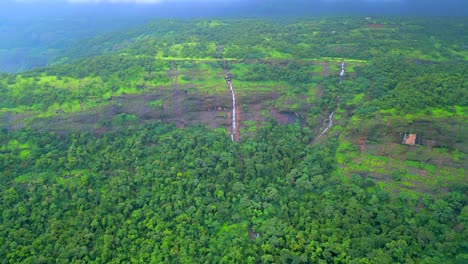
point(33, 31)
point(204, 8)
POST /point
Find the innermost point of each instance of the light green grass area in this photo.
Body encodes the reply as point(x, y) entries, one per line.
point(274, 54)
point(357, 100)
point(334, 68)
point(207, 77)
point(288, 102)
point(221, 130)
point(156, 103)
point(316, 68)
point(212, 23)
point(126, 90)
point(457, 112)
point(338, 60)
point(125, 119)
point(31, 177)
point(350, 68)
point(245, 88)
point(414, 177)
point(346, 152)
point(24, 148)
point(312, 93)
point(24, 153)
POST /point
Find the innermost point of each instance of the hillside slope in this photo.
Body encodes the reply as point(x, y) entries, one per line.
point(352, 145)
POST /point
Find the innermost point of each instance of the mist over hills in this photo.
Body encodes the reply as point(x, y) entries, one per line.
point(197, 8)
point(34, 32)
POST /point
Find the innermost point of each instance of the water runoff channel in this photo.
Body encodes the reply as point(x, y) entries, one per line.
point(330, 117)
point(234, 130)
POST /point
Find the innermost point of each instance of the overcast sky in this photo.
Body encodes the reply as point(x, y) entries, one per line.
point(250, 7)
point(214, 1)
point(427, 2)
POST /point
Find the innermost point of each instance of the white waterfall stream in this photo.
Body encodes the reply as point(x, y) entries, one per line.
point(330, 117)
point(233, 129)
point(342, 73)
point(228, 77)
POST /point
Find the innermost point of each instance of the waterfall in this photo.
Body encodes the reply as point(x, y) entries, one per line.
point(228, 77)
point(233, 110)
point(342, 72)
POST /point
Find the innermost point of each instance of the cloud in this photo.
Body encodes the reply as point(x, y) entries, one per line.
point(119, 1)
point(366, 1)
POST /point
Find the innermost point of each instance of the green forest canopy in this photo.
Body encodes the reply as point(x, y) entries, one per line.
point(128, 190)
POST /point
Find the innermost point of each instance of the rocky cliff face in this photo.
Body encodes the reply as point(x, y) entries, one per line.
point(176, 106)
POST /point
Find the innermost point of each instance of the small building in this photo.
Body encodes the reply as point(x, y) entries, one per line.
point(409, 139)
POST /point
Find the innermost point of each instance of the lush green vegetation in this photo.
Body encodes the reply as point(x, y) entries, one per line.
point(160, 194)
point(95, 168)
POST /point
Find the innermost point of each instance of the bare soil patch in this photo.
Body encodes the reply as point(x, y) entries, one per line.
point(177, 101)
point(362, 144)
point(283, 117)
point(257, 114)
point(319, 92)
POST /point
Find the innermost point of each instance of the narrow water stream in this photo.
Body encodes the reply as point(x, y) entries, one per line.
point(228, 77)
point(342, 72)
point(233, 129)
point(330, 117)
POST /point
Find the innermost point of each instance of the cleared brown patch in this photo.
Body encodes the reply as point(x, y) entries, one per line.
point(362, 144)
point(177, 100)
point(283, 117)
point(280, 119)
point(257, 116)
point(325, 69)
point(422, 173)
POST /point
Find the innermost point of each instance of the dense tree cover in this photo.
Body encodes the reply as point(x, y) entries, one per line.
point(293, 73)
point(351, 37)
point(151, 193)
point(93, 79)
point(47, 42)
point(160, 194)
point(391, 82)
